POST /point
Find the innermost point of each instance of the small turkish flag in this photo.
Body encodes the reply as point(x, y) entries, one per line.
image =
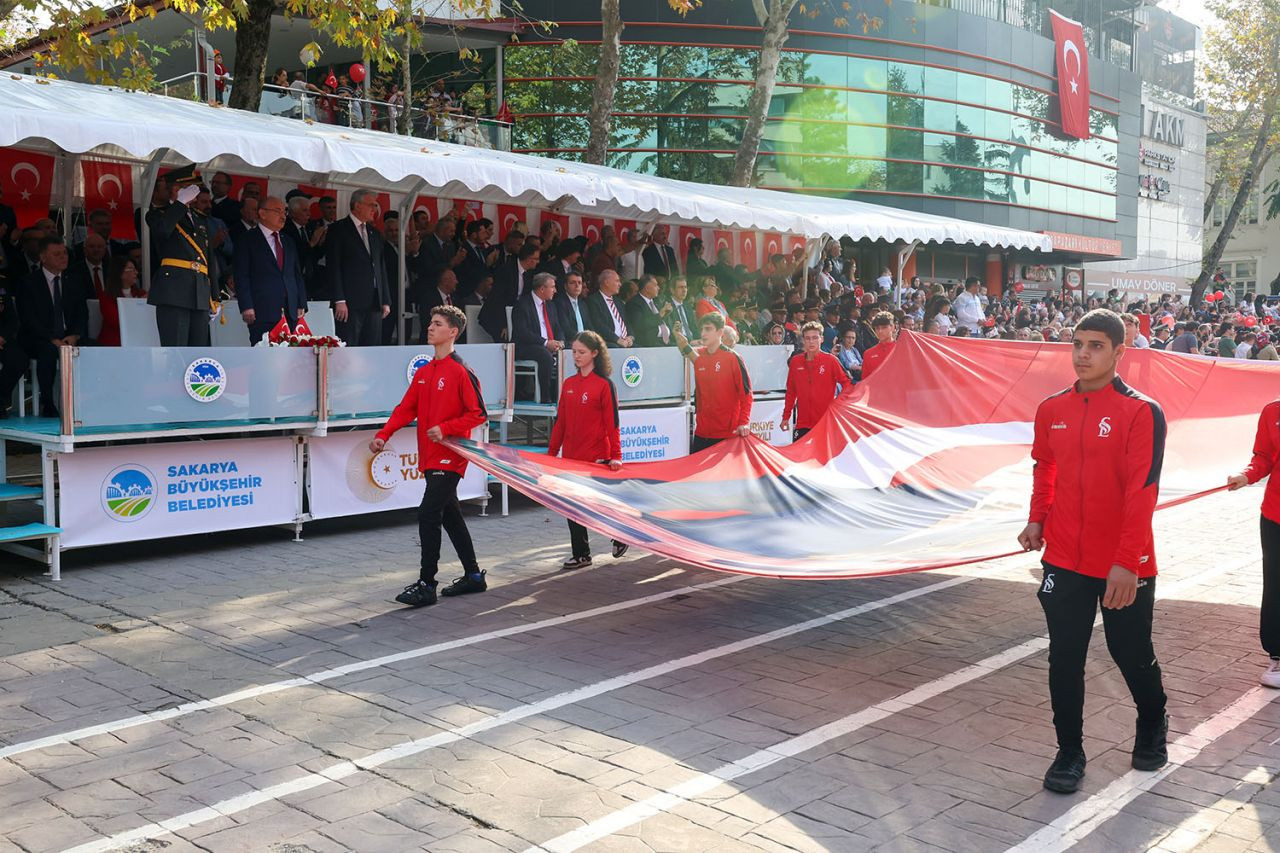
point(109, 187)
point(28, 183)
point(1073, 75)
point(279, 330)
point(301, 327)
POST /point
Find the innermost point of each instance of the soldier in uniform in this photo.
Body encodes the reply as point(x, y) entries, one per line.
point(180, 288)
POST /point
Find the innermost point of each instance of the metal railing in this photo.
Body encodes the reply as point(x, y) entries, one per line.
point(311, 104)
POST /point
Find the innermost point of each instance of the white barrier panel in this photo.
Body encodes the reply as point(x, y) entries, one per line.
point(346, 479)
point(765, 415)
point(137, 323)
point(649, 435)
point(129, 493)
point(767, 365)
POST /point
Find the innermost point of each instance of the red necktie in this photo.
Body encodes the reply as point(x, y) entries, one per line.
point(279, 249)
point(613, 309)
point(547, 319)
point(448, 300)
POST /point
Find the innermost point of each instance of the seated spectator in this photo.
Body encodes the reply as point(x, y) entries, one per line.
point(53, 313)
point(122, 280)
point(535, 333)
point(708, 301)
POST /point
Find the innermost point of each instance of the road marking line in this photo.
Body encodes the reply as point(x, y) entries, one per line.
point(1083, 818)
point(677, 794)
point(346, 669)
point(345, 769)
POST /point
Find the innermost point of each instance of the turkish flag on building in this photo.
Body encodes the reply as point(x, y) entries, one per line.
point(747, 254)
point(27, 178)
point(109, 187)
point(1073, 75)
point(508, 216)
point(592, 228)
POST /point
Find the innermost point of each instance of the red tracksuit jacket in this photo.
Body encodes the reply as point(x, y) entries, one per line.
point(723, 393)
point(811, 386)
point(1266, 456)
point(874, 357)
point(443, 393)
point(1097, 478)
point(586, 420)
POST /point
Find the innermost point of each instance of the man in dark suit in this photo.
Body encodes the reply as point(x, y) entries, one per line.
point(268, 278)
point(509, 284)
point(534, 331)
point(659, 258)
point(567, 255)
point(682, 315)
point(439, 251)
point(357, 284)
point(479, 258)
point(180, 288)
point(304, 240)
point(509, 249)
point(99, 222)
point(444, 292)
point(53, 313)
point(646, 320)
point(90, 264)
point(13, 359)
point(572, 306)
point(224, 206)
point(604, 313)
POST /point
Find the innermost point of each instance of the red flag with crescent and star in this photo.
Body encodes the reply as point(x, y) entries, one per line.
point(27, 178)
point(748, 241)
point(721, 240)
point(688, 233)
point(623, 227)
point(109, 187)
point(591, 229)
point(508, 216)
point(1073, 75)
point(772, 245)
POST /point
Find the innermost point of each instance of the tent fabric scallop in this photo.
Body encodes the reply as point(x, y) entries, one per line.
point(926, 465)
point(61, 115)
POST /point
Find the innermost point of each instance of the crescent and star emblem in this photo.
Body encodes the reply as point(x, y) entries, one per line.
point(18, 169)
point(108, 178)
point(1068, 48)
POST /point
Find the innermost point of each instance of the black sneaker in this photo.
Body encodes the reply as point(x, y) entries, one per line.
point(619, 548)
point(1064, 775)
point(418, 594)
point(577, 563)
point(465, 584)
point(1150, 750)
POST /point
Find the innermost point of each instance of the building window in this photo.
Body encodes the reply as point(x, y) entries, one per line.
point(1242, 276)
point(1248, 216)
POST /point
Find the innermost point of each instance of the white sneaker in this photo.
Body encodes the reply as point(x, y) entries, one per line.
point(1271, 678)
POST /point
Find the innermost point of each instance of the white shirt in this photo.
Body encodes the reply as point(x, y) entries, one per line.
point(48, 280)
point(632, 264)
point(945, 323)
point(360, 229)
point(1139, 342)
point(540, 309)
point(1242, 350)
point(663, 331)
point(968, 311)
point(885, 282)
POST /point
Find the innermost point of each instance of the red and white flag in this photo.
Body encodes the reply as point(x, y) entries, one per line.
point(28, 184)
point(109, 187)
point(747, 255)
point(772, 245)
point(1073, 75)
point(592, 228)
point(721, 240)
point(508, 216)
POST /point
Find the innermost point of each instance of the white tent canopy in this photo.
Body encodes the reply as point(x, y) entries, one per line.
point(56, 116)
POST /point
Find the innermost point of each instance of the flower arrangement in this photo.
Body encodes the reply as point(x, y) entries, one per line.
point(306, 340)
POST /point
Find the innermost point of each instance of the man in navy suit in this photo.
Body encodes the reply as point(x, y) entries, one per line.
point(535, 333)
point(53, 313)
point(268, 273)
point(354, 266)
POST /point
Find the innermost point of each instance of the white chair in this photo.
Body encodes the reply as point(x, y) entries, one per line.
point(137, 323)
point(526, 367)
point(320, 319)
point(475, 332)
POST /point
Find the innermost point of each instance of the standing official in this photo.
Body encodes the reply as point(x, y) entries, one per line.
point(587, 428)
point(812, 379)
point(180, 289)
point(722, 386)
point(353, 263)
point(444, 398)
point(1098, 449)
point(268, 275)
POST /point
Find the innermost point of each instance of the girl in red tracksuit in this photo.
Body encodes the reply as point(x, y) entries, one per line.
point(586, 427)
point(1266, 458)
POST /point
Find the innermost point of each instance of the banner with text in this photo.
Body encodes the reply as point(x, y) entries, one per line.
point(125, 494)
point(765, 415)
point(346, 479)
point(652, 434)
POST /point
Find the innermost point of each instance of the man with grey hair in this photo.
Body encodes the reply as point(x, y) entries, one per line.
point(354, 267)
point(536, 333)
point(304, 240)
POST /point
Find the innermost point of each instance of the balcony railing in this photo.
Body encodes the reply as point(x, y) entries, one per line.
point(322, 107)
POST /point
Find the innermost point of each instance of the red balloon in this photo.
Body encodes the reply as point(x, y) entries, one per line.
point(1251, 321)
point(1219, 295)
point(1019, 287)
point(1267, 319)
point(357, 73)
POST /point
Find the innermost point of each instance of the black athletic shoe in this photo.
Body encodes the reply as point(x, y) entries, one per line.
point(418, 594)
point(576, 563)
point(1064, 775)
point(464, 585)
point(619, 548)
point(1150, 750)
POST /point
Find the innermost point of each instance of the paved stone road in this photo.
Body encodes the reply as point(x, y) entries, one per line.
point(916, 723)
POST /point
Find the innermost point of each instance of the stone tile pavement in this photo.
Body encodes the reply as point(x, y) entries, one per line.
point(917, 724)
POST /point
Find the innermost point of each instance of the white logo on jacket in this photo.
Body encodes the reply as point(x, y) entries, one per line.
point(584, 398)
point(1104, 427)
point(440, 384)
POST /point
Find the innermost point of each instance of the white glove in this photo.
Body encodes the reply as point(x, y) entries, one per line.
point(188, 194)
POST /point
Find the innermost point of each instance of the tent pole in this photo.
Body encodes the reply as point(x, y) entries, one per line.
point(70, 162)
point(406, 220)
point(903, 255)
point(150, 173)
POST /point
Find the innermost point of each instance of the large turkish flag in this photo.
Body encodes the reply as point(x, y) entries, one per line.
point(591, 228)
point(109, 187)
point(748, 242)
point(508, 216)
point(1073, 75)
point(28, 184)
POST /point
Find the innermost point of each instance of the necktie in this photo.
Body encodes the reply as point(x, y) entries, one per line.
point(577, 315)
point(279, 249)
point(546, 318)
point(59, 322)
point(617, 318)
point(97, 280)
point(520, 284)
point(364, 237)
point(448, 300)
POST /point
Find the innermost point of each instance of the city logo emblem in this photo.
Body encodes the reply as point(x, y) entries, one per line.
point(205, 380)
point(129, 493)
point(632, 371)
point(417, 361)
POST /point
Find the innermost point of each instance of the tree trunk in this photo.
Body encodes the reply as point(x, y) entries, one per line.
point(1214, 255)
point(1215, 189)
point(601, 117)
point(253, 35)
point(772, 40)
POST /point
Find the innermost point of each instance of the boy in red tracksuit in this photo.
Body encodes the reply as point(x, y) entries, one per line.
point(1098, 450)
point(882, 325)
point(444, 398)
point(721, 384)
point(1265, 461)
point(812, 379)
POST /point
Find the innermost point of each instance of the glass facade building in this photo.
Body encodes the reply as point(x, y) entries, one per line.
point(946, 108)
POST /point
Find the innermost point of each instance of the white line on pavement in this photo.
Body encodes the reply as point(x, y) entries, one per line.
point(1083, 818)
point(705, 782)
point(345, 769)
point(346, 669)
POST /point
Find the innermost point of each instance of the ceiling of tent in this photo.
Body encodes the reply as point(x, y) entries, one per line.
point(57, 116)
